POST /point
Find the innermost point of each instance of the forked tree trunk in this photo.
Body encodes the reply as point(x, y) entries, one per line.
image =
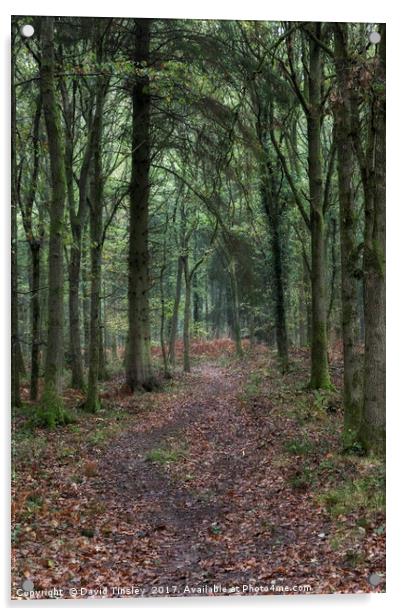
point(78, 216)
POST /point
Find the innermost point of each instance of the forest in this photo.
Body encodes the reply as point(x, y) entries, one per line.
point(197, 306)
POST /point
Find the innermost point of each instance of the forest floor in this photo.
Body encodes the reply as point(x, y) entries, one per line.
point(228, 480)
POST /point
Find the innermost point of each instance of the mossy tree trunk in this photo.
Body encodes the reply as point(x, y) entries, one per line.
point(92, 403)
point(51, 402)
point(348, 216)
point(372, 429)
point(138, 356)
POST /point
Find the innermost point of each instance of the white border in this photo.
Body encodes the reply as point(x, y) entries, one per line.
point(341, 10)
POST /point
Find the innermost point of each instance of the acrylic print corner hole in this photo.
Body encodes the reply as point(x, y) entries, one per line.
point(27, 31)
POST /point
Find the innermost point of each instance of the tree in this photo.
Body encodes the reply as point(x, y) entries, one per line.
point(310, 98)
point(77, 219)
point(96, 229)
point(15, 376)
point(34, 239)
point(319, 358)
point(348, 217)
point(52, 409)
point(372, 428)
point(138, 358)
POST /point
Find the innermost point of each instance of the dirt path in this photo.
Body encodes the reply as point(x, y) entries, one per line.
point(206, 486)
point(223, 512)
point(173, 515)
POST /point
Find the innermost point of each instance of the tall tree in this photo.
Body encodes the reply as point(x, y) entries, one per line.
point(372, 429)
point(308, 88)
point(138, 356)
point(96, 230)
point(348, 216)
point(51, 402)
point(15, 376)
point(77, 218)
point(34, 239)
point(319, 352)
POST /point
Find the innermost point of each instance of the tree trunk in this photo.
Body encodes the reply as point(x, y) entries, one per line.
point(35, 311)
point(175, 315)
point(163, 316)
point(352, 380)
point(86, 307)
point(319, 360)
point(270, 195)
point(51, 403)
point(372, 429)
point(15, 376)
point(307, 299)
point(280, 310)
point(218, 310)
point(77, 372)
point(92, 402)
point(206, 316)
point(302, 311)
point(95, 221)
point(187, 315)
point(235, 307)
point(138, 365)
point(102, 340)
point(271, 209)
point(197, 300)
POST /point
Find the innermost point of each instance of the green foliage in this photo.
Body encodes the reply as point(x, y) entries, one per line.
point(352, 446)
point(103, 434)
point(15, 533)
point(364, 494)
point(165, 456)
point(252, 387)
point(51, 411)
point(302, 478)
point(28, 447)
point(299, 447)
